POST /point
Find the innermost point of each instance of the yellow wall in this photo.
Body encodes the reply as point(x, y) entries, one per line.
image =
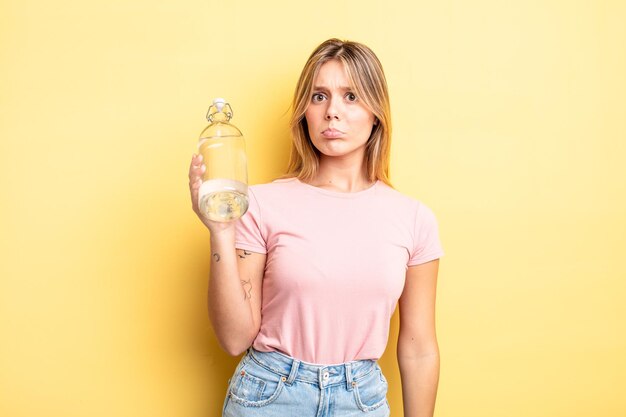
point(509, 122)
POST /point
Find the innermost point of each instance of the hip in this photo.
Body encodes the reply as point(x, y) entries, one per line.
point(273, 384)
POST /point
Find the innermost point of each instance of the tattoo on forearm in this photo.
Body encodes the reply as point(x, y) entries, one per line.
point(247, 289)
point(245, 253)
point(217, 257)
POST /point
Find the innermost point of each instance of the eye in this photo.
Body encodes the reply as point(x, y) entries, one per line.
point(351, 97)
point(317, 97)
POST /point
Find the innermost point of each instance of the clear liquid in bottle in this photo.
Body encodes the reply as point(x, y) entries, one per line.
point(223, 195)
point(223, 200)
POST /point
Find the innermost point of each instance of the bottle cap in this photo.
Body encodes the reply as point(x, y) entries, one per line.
point(219, 103)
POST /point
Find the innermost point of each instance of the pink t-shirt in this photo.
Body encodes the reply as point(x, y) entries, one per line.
point(336, 265)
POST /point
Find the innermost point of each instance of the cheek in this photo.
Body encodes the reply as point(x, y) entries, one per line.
point(311, 115)
point(309, 121)
point(364, 119)
point(311, 126)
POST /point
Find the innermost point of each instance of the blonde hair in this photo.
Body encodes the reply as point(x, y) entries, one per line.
point(368, 81)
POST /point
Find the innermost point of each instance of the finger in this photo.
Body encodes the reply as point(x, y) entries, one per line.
point(194, 188)
point(196, 170)
point(195, 183)
point(196, 174)
point(196, 160)
point(194, 191)
point(196, 163)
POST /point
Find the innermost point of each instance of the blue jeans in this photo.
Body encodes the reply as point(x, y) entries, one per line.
point(271, 384)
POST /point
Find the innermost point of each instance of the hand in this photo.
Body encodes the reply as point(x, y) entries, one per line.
point(196, 170)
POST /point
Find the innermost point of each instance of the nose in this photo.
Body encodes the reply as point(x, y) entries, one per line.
point(332, 111)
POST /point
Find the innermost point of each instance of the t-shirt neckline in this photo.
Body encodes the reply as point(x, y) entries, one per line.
point(339, 194)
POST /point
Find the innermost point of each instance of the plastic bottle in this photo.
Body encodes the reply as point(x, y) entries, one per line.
point(223, 195)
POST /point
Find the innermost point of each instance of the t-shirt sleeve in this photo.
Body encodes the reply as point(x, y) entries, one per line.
point(426, 244)
point(248, 233)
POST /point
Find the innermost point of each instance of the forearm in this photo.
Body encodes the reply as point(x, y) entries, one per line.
point(420, 378)
point(229, 310)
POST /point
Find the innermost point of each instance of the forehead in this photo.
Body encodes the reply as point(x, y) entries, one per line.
point(333, 73)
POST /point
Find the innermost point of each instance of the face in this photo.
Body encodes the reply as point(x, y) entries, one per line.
point(339, 122)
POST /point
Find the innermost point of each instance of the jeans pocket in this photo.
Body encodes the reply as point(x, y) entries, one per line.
point(370, 391)
point(255, 386)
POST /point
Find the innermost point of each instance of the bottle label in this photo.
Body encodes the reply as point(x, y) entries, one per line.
point(221, 185)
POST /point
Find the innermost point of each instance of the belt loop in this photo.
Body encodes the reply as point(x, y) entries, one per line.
point(248, 354)
point(294, 371)
point(348, 376)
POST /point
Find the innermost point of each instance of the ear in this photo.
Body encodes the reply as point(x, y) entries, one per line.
point(375, 121)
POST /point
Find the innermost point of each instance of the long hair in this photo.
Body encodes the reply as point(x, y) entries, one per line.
point(368, 81)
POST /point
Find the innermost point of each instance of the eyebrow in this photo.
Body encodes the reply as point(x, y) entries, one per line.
point(323, 88)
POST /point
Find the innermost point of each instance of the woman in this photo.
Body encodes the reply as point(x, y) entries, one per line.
point(307, 280)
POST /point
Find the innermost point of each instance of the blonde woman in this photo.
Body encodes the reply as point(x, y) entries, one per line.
point(306, 282)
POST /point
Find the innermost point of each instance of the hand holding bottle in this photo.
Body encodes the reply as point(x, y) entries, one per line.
point(196, 170)
point(223, 195)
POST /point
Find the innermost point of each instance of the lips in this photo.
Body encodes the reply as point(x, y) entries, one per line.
point(332, 133)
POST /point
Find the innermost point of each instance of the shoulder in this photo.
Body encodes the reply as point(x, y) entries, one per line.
point(399, 199)
point(405, 203)
point(276, 185)
point(276, 189)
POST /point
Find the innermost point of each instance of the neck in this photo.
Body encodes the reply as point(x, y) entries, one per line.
point(342, 175)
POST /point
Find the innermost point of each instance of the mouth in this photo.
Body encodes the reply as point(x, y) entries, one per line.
point(332, 133)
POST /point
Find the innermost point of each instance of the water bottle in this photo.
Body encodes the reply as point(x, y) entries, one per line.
point(223, 195)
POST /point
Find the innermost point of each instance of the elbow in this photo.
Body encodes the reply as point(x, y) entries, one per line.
point(236, 346)
point(234, 350)
point(426, 351)
point(423, 358)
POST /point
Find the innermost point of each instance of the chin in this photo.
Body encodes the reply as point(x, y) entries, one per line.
point(336, 147)
point(336, 153)
point(331, 149)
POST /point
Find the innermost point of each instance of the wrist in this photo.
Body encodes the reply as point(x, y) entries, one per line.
point(223, 236)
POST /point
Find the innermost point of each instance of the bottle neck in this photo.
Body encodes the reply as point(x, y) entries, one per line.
point(220, 117)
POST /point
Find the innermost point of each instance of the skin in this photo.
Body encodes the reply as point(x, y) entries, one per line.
point(236, 275)
point(334, 105)
point(234, 296)
point(418, 351)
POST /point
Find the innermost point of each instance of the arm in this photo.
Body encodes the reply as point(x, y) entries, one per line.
point(418, 352)
point(234, 297)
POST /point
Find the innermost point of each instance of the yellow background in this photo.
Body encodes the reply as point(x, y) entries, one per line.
point(510, 122)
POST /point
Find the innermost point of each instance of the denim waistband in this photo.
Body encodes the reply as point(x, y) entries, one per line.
point(293, 369)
